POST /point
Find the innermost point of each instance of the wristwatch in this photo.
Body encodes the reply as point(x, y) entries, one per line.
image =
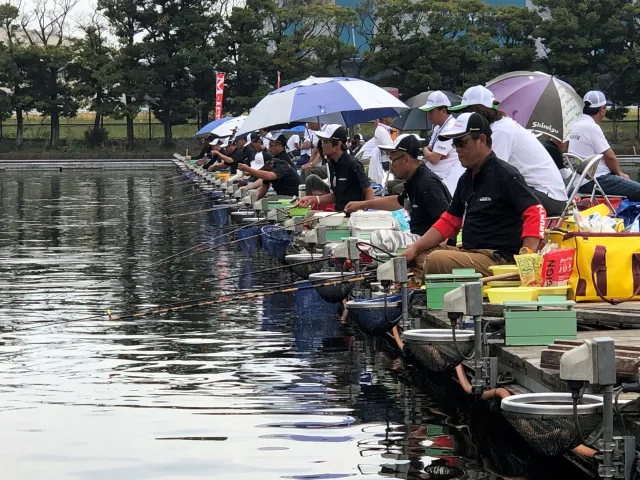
point(526, 251)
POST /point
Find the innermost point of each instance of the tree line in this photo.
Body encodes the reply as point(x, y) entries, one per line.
point(164, 54)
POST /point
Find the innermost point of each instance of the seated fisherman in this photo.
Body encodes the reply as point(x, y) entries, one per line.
point(502, 215)
point(210, 160)
point(276, 171)
point(349, 183)
point(425, 195)
point(243, 153)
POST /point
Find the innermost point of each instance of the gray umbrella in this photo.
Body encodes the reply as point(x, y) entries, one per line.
point(416, 119)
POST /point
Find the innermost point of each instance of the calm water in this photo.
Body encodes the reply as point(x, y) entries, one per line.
point(237, 391)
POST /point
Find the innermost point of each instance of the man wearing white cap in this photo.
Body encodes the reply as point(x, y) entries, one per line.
point(520, 148)
point(587, 139)
point(440, 155)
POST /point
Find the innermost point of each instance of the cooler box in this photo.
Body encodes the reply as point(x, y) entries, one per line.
point(363, 224)
point(437, 285)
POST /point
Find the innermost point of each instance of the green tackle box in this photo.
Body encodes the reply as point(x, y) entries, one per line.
point(436, 285)
point(338, 233)
point(539, 323)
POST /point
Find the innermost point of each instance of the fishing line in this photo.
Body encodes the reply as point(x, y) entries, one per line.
point(267, 270)
point(206, 301)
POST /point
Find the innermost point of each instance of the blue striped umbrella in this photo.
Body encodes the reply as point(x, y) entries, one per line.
point(336, 100)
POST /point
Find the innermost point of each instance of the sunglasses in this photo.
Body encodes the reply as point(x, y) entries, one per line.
point(462, 142)
point(397, 157)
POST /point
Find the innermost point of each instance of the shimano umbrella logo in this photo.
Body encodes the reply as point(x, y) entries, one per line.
point(544, 126)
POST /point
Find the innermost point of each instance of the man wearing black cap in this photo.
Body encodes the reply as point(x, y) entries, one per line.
point(277, 172)
point(243, 153)
point(278, 147)
point(425, 195)
point(349, 183)
point(502, 215)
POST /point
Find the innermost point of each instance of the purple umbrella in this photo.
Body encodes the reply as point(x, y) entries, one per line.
point(538, 101)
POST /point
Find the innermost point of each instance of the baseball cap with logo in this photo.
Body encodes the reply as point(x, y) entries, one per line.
point(408, 142)
point(595, 99)
point(336, 132)
point(466, 123)
point(282, 140)
point(254, 137)
point(436, 99)
point(477, 95)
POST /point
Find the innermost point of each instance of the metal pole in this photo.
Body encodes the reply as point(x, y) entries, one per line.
point(477, 358)
point(405, 303)
point(150, 123)
point(607, 435)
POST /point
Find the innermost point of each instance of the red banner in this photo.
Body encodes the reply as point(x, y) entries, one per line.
point(278, 79)
point(219, 94)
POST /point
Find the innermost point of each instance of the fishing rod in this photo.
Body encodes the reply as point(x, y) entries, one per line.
point(212, 209)
point(205, 302)
point(182, 197)
point(268, 270)
point(227, 299)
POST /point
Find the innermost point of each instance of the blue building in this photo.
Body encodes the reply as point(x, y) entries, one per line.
point(351, 37)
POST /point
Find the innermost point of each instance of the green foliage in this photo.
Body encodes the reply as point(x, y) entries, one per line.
point(165, 53)
point(96, 137)
point(592, 44)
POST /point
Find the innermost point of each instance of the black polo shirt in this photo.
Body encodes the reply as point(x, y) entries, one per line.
point(429, 198)
point(348, 180)
point(287, 181)
point(283, 155)
point(491, 204)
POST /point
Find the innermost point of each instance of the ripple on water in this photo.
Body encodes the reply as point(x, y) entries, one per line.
point(233, 391)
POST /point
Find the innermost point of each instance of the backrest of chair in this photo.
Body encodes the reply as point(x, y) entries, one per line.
point(587, 169)
point(572, 160)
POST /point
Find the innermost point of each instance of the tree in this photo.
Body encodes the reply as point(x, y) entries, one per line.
point(13, 70)
point(91, 68)
point(513, 29)
point(247, 63)
point(126, 72)
point(592, 44)
point(45, 29)
point(429, 45)
point(173, 32)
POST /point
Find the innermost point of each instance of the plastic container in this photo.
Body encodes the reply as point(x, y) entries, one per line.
point(504, 283)
point(513, 294)
point(371, 220)
point(556, 291)
point(299, 211)
point(329, 219)
point(502, 269)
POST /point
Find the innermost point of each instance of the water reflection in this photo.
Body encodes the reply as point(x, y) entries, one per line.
point(264, 389)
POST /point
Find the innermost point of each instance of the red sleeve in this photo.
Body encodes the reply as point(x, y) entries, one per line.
point(448, 225)
point(534, 222)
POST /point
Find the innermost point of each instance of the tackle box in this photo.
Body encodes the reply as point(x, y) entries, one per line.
point(539, 323)
point(436, 285)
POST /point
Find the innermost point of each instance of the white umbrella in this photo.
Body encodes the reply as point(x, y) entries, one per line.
point(227, 129)
point(339, 100)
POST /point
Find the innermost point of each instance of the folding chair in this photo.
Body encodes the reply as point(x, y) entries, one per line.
point(576, 165)
point(584, 170)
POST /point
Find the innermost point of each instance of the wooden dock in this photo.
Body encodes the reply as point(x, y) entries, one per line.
point(523, 362)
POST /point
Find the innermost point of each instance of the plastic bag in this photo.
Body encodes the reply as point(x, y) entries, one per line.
point(401, 219)
point(530, 268)
point(628, 211)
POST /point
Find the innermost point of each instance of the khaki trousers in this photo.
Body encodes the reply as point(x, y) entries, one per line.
point(443, 259)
